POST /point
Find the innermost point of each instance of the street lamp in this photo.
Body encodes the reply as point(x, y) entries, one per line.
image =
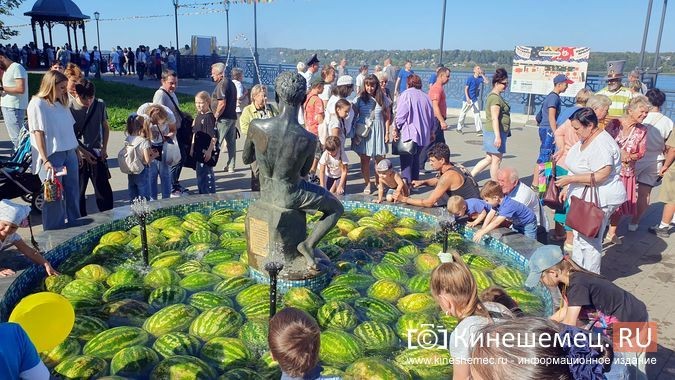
point(97, 75)
point(440, 58)
point(175, 15)
point(227, 19)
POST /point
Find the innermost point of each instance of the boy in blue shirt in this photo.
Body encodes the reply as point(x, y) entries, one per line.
point(505, 208)
point(476, 209)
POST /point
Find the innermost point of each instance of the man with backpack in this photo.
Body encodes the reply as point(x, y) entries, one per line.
point(546, 119)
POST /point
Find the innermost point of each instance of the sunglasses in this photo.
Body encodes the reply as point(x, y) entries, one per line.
point(504, 83)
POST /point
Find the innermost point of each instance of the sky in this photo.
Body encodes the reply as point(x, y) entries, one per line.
point(373, 24)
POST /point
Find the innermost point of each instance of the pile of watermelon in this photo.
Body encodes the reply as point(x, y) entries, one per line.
point(196, 313)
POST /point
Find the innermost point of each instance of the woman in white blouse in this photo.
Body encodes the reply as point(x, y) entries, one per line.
point(54, 145)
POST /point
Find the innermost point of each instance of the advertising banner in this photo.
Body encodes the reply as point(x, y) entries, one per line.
point(534, 68)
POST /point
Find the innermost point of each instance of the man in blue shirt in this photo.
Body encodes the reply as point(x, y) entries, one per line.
point(402, 80)
point(432, 77)
point(471, 92)
point(18, 357)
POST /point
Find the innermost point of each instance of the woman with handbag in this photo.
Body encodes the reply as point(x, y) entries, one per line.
point(163, 142)
point(372, 127)
point(414, 125)
point(50, 123)
point(594, 161)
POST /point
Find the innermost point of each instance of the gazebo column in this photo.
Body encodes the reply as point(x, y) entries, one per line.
point(84, 35)
point(49, 27)
point(75, 35)
point(68, 31)
point(32, 25)
point(42, 33)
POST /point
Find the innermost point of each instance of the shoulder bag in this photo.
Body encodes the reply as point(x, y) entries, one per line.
point(170, 150)
point(552, 194)
point(400, 147)
point(583, 216)
point(184, 130)
point(363, 129)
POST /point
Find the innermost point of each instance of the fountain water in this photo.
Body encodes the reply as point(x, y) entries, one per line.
point(141, 211)
point(242, 36)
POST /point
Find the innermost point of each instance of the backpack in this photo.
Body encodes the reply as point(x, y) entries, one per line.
point(128, 159)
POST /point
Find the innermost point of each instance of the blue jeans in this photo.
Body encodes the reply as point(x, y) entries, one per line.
point(547, 147)
point(161, 169)
point(139, 184)
point(227, 130)
point(206, 180)
point(529, 230)
point(13, 121)
point(54, 214)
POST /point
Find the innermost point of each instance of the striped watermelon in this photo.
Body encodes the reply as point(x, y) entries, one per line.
point(377, 310)
point(225, 353)
point(361, 232)
point(161, 277)
point(203, 236)
point(232, 286)
point(177, 244)
point(69, 348)
point(411, 325)
point(407, 233)
point(174, 232)
point(115, 238)
point(82, 367)
point(205, 300)
point(340, 293)
point(267, 367)
point(124, 276)
point(165, 296)
point(372, 242)
point(394, 258)
point(199, 281)
point(528, 302)
point(507, 277)
point(230, 269)
point(166, 222)
point(369, 221)
point(425, 262)
point(448, 321)
point(219, 256)
point(259, 309)
point(86, 327)
point(55, 284)
point(168, 259)
point(483, 281)
point(420, 283)
point(478, 262)
point(331, 250)
point(135, 361)
point(408, 222)
point(435, 363)
point(195, 225)
point(127, 313)
point(190, 267)
point(409, 250)
point(173, 318)
point(386, 290)
point(376, 336)
point(433, 249)
point(337, 314)
point(346, 225)
point(241, 374)
point(385, 217)
point(233, 244)
point(340, 241)
point(375, 369)
point(417, 303)
point(127, 291)
point(107, 343)
point(196, 216)
point(253, 294)
point(354, 280)
point(217, 220)
point(83, 289)
point(386, 271)
point(233, 226)
point(154, 240)
point(177, 343)
point(218, 321)
point(93, 272)
point(254, 334)
point(303, 299)
point(339, 348)
point(183, 367)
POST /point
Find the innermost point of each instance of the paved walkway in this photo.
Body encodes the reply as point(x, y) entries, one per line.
point(643, 264)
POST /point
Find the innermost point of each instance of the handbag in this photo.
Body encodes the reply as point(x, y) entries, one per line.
point(52, 188)
point(552, 194)
point(583, 216)
point(184, 130)
point(363, 129)
point(170, 150)
point(401, 147)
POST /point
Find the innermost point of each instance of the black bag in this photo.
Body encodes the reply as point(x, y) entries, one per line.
point(401, 147)
point(184, 130)
point(201, 142)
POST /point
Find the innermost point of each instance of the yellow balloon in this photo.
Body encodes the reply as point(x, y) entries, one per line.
point(47, 318)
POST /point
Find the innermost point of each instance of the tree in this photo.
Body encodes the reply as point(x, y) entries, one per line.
point(5, 7)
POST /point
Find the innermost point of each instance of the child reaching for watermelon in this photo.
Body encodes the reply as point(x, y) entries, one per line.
point(505, 208)
point(13, 216)
point(294, 343)
point(476, 209)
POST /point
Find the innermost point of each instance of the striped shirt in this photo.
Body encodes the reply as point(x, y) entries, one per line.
point(620, 100)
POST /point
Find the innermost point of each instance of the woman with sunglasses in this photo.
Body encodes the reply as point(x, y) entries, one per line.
point(496, 130)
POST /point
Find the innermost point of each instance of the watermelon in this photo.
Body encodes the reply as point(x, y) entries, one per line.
point(166, 222)
point(384, 271)
point(124, 276)
point(135, 361)
point(385, 217)
point(183, 367)
point(174, 232)
point(375, 369)
point(436, 363)
point(82, 367)
point(377, 310)
point(199, 281)
point(217, 220)
point(528, 302)
point(203, 236)
point(197, 249)
point(154, 239)
point(83, 289)
point(127, 291)
point(340, 241)
point(409, 250)
point(337, 314)
point(254, 334)
point(448, 321)
point(354, 280)
point(408, 222)
point(253, 294)
point(339, 348)
point(372, 242)
point(225, 353)
point(177, 244)
point(86, 327)
point(127, 312)
point(195, 225)
point(303, 299)
point(416, 303)
point(241, 374)
point(205, 300)
point(411, 325)
point(420, 283)
point(195, 216)
point(347, 267)
point(109, 342)
point(340, 293)
point(478, 262)
point(190, 267)
point(69, 348)
point(166, 260)
point(234, 226)
point(331, 250)
point(177, 343)
point(230, 269)
point(386, 290)
point(165, 296)
point(376, 336)
point(218, 321)
point(369, 221)
point(425, 262)
point(232, 286)
point(161, 277)
point(115, 238)
point(219, 256)
point(507, 277)
point(483, 281)
point(93, 272)
point(407, 233)
point(55, 284)
point(359, 233)
point(433, 249)
point(173, 318)
point(395, 258)
point(259, 309)
point(233, 244)
point(346, 225)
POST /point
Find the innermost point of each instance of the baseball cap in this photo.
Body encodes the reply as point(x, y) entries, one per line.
point(543, 258)
point(383, 165)
point(560, 78)
point(345, 80)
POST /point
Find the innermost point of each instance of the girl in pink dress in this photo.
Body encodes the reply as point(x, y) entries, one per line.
point(631, 136)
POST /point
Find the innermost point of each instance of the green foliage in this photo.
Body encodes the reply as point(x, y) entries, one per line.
point(5, 10)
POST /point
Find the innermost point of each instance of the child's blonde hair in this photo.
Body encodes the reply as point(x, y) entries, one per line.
point(294, 340)
point(455, 280)
point(455, 204)
point(205, 97)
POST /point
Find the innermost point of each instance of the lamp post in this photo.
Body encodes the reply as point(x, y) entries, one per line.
point(256, 79)
point(97, 75)
point(440, 58)
point(227, 21)
point(175, 15)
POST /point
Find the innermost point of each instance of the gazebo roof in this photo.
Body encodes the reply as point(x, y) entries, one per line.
point(56, 10)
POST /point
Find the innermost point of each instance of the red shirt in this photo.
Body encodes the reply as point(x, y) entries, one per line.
point(436, 92)
point(313, 107)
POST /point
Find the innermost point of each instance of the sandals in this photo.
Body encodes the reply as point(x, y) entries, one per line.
point(367, 190)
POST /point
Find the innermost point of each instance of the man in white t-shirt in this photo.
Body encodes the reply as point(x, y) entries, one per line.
point(312, 69)
point(13, 95)
point(363, 72)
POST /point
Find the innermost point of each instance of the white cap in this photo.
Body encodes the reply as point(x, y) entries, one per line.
point(13, 212)
point(345, 80)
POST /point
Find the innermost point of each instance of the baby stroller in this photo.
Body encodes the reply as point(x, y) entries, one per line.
point(16, 179)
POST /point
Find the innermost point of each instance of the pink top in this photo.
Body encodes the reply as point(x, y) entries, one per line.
point(633, 142)
point(569, 138)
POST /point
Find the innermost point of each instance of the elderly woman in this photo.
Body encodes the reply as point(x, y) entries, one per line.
point(496, 130)
point(50, 123)
point(597, 155)
point(631, 136)
point(237, 76)
point(414, 121)
point(258, 109)
point(162, 129)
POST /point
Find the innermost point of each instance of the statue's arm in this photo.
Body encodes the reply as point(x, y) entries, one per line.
point(309, 160)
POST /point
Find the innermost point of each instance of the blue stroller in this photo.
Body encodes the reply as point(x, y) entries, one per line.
point(16, 179)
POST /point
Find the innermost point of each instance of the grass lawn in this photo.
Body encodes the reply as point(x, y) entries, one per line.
point(120, 99)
